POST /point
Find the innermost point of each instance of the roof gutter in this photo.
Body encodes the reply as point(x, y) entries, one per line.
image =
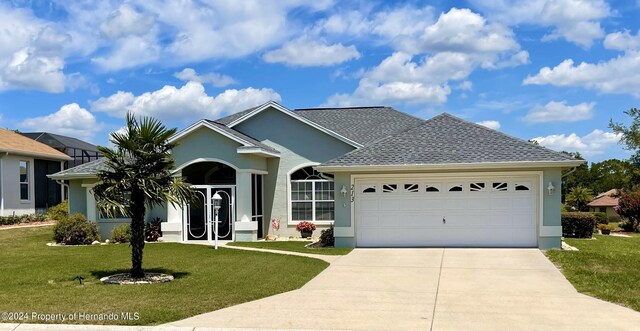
point(451, 166)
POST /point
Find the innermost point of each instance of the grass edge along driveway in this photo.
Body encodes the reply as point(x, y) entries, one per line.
point(37, 278)
point(292, 246)
point(606, 267)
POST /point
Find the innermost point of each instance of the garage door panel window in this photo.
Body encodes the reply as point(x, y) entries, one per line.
point(476, 187)
point(389, 188)
point(411, 188)
point(500, 186)
point(455, 188)
point(369, 189)
point(432, 188)
point(312, 196)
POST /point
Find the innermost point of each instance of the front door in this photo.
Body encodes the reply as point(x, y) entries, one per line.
point(200, 215)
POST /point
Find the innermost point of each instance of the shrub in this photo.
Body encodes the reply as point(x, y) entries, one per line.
point(615, 218)
point(578, 225)
point(59, 211)
point(10, 220)
point(629, 208)
point(75, 230)
point(121, 233)
point(326, 237)
point(152, 230)
point(18, 219)
point(601, 218)
point(305, 226)
point(627, 226)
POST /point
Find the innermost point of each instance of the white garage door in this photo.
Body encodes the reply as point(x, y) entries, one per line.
point(473, 212)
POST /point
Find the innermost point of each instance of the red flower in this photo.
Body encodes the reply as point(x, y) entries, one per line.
point(305, 226)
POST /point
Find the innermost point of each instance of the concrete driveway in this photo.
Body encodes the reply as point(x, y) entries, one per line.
point(430, 289)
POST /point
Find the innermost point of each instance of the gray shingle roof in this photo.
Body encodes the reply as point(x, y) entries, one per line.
point(243, 136)
point(86, 169)
point(446, 139)
point(228, 119)
point(363, 125)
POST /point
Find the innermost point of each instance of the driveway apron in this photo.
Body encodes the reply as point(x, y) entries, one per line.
point(430, 289)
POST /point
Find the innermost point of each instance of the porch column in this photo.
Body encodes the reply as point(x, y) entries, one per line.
point(245, 229)
point(172, 228)
point(92, 214)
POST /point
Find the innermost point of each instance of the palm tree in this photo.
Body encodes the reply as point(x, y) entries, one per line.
point(579, 197)
point(138, 176)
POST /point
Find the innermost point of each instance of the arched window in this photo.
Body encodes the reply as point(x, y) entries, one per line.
point(312, 196)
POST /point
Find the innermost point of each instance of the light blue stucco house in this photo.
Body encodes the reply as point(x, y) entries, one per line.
point(382, 177)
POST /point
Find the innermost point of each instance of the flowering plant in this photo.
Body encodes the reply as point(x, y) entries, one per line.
point(305, 226)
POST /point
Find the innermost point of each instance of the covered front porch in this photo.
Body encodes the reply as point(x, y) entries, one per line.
point(240, 215)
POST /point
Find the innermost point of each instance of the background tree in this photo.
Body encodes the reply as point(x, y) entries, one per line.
point(574, 178)
point(631, 140)
point(138, 177)
point(610, 174)
point(579, 197)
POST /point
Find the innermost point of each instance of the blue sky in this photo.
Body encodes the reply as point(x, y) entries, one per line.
point(553, 70)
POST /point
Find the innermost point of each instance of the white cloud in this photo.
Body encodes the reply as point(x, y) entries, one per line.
point(215, 79)
point(595, 143)
point(31, 52)
point(399, 79)
point(225, 29)
point(189, 102)
point(555, 111)
point(432, 55)
point(622, 41)
point(461, 30)
point(576, 21)
point(126, 21)
point(70, 120)
point(129, 52)
point(29, 70)
point(490, 124)
point(114, 105)
point(306, 53)
point(618, 75)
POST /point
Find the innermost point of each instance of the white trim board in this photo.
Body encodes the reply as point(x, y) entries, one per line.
point(453, 166)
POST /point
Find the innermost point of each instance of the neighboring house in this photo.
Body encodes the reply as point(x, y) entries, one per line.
point(604, 203)
point(382, 177)
point(80, 151)
point(24, 166)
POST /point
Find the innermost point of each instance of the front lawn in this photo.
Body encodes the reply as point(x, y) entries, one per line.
point(37, 278)
point(293, 246)
point(606, 268)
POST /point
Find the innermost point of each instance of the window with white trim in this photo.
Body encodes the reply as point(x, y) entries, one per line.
point(257, 212)
point(312, 196)
point(24, 180)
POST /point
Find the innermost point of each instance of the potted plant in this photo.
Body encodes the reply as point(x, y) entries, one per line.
point(606, 228)
point(305, 228)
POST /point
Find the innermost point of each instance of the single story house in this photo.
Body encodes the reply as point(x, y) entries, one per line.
point(382, 177)
point(24, 166)
point(604, 203)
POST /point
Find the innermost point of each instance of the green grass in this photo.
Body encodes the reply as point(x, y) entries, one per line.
point(607, 268)
point(293, 246)
point(38, 278)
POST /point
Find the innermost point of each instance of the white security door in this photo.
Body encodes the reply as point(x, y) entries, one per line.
point(468, 212)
